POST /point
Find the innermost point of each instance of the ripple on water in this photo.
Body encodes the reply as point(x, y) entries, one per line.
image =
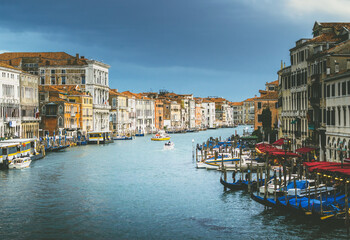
point(137, 190)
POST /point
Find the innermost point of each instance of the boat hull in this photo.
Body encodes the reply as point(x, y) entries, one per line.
point(161, 139)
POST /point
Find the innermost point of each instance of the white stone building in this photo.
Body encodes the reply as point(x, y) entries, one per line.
point(10, 121)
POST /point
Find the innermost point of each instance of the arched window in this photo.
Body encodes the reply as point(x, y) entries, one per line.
point(60, 109)
point(60, 122)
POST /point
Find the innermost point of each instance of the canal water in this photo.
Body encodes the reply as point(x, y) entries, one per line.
point(137, 190)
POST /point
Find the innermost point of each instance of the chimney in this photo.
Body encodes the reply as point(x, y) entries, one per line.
point(82, 57)
point(77, 56)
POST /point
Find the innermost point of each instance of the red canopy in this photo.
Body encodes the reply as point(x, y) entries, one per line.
point(266, 148)
point(279, 142)
point(287, 154)
point(304, 150)
point(329, 167)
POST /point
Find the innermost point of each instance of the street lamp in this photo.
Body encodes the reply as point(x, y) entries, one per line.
point(341, 150)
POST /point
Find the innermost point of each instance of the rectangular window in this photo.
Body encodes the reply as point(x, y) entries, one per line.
point(260, 118)
point(63, 78)
point(324, 116)
point(338, 89)
point(29, 93)
point(53, 80)
point(53, 71)
point(63, 70)
point(42, 80)
point(333, 90)
point(336, 68)
point(83, 79)
point(343, 88)
point(259, 105)
point(348, 87)
point(42, 72)
point(8, 90)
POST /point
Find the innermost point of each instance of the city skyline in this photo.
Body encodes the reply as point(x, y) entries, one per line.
point(207, 48)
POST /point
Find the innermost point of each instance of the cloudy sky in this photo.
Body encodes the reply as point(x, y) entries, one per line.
point(227, 48)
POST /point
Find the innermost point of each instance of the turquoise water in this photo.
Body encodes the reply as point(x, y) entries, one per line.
point(137, 190)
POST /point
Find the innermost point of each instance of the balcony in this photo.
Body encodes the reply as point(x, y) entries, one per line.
point(11, 119)
point(101, 106)
point(31, 119)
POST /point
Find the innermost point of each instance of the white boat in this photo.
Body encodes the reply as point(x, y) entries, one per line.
point(19, 163)
point(247, 161)
point(169, 145)
point(201, 165)
point(161, 136)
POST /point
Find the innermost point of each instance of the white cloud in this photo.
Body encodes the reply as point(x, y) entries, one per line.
point(335, 9)
point(301, 10)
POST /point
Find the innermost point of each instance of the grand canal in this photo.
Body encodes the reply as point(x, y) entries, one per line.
point(137, 190)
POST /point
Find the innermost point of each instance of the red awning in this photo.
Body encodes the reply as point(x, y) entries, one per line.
point(305, 150)
point(329, 167)
point(283, 153)
point(266, 148)
point(279, 142)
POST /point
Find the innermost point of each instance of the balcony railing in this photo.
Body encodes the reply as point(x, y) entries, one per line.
point(26, 118)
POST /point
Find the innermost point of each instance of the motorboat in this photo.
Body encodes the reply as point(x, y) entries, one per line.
point(19, 163)
point(169, 145)
point(161, 136)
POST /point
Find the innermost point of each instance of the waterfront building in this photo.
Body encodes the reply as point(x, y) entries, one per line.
point(208, 114)
point(10, 118)
point(119, 115)
point(248, 111)
point(29, 105)
point(167, 114)
point(175, 116)
point(80, 118)
point(303, 89)
point(145, 108)
point(85, 100)
point(159, 114)
point(60, 68)
point(237, 114)
point(267, 99)
point(198, 113)
point(221, 111)
point(131, 109)
point(58, 112)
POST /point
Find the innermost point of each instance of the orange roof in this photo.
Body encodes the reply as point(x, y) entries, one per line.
point(2, 64)
point(273, 82)
point(250, 99)
point(114, 92)
point(326, 37)
point(236, 103)
point(270, 95)
point(335, 25)
point(67, 89)
point(56, 99)
point(44, 58)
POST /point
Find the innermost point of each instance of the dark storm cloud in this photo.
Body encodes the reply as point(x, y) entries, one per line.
point(145, 40)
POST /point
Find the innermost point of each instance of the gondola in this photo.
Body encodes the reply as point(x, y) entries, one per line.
point(238, 185)
point(268, 202)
